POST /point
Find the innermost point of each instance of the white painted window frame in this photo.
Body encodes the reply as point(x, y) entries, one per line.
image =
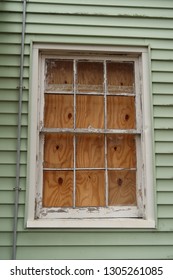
point(141, 216)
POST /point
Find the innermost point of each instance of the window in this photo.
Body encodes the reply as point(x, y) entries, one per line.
point(90, 148)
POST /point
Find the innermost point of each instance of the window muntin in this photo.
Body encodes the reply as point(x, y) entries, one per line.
point(90, 153)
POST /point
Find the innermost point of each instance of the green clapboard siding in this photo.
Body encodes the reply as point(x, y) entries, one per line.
point(111, 22)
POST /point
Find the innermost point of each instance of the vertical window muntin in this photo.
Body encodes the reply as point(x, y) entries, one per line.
point(134, 131)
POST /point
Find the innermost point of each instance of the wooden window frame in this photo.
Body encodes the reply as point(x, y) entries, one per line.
point(140, 216)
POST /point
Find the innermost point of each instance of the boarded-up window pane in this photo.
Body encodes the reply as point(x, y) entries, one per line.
point(90, 188)
point(59, 75)
point(58, 111)
point(120, 77)
point(57, 189)
point(58, 151)
point(90, 111)
point(121, 112)
point(90, 77)
point(122, 187)
point(90, 151)
point(121, 151)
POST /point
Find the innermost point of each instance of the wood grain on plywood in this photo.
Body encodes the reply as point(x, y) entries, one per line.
point(58, 111)
point(90, 188)
point(58, 189)
point(59, 75)
point(90, 151)
point(121, 112)
point(90, 77)
point(122, 187)
point(58, 150)
point(121, 151)
point(120, 77)
point(90, 111)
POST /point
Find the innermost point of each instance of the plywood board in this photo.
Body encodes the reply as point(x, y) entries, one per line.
point(121, 151)
point(58, 151)
point(90, 77)
point(120, 77)
point(122, 187)
point(121, 112)
point(58, 111)
point(90, 151)
point(57, 188)
point(89, 111)
point(59, 75)
point(90, 189)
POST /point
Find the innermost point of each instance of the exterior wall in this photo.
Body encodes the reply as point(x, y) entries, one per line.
point(114, 22)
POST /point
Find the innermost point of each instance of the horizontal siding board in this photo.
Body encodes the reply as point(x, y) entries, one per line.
point(164, 172)
point(6, 239)
point(5, 253)
point(163, 100)
point(6, 225)
point(162, 148)
point(7, 157)
point(8, 197)
point(7, 211)
point(8, 183)
point(93, 239)
point(165, 211)
point(12, 83)
point(162, 55)
point(164, 88)
point(12, 60)
point(12, 107)
point(163, 111)
point(164, 160)
point(13, 49)
point(164, 135)
point(82, 39)
point(10, 170)
point(165, 224)
point(12, 119)
point(163, 123)
point(94, 31)
point(16, 38)
point(88, 31)
point(15, 5)
point(162, 65)
point(97, 21)
point(12, 39)
point(11, 144)
point(165, 185)
point(135, 3)
point(13, 72)
point(10, 132)
point(48, 8)
point(87, 20)
point(12, 17)
point(92, 252)
point(165, 198)
point(162, 77)
point(13, 95)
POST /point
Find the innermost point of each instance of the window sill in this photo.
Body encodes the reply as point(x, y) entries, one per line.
point(91, 223)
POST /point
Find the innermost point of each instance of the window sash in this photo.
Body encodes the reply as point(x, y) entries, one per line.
point(120, 211)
